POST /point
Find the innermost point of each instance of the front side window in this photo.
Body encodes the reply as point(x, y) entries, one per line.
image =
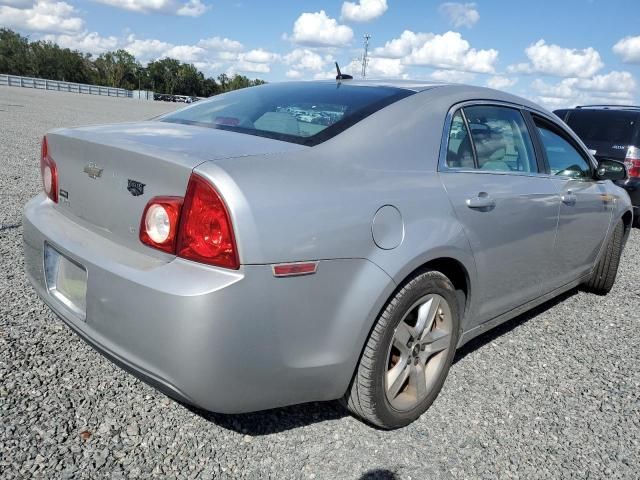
point(501, 139)
point(564, 159)
point(305, 112)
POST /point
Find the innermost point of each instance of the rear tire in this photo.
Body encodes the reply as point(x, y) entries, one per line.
point(604, 275)
point(408, 354)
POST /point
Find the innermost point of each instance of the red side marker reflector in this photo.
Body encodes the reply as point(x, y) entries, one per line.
point(293, 269)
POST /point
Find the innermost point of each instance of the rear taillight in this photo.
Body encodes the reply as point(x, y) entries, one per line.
point(206, 234)
point(48, 172)
point(632, 161)
point(197, 227)
point(160, 222)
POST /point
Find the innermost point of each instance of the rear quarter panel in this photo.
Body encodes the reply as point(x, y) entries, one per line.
point(319, 203)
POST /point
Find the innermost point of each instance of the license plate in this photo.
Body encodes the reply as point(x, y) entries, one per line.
point(66, 280)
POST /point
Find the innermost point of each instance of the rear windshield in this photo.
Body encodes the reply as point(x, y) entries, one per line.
point(306, 113)
point(604, 126)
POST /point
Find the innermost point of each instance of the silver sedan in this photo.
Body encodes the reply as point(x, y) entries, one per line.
point(311, 241)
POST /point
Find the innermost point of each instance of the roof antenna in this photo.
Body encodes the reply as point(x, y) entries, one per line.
point(340, 75)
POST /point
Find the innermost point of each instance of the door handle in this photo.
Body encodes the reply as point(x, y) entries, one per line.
point(482, 201)
point(569, 198)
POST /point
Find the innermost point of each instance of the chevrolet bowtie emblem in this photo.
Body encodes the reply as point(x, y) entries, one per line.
point(135, 188)
point(93, 170)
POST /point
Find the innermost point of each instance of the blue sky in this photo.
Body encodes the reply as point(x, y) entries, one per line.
point(559, 53)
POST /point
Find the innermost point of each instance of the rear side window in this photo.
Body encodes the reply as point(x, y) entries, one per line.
point(306, 113)
point(459, 149)
point(496, 136)
point(606, 126)
point(564, 159)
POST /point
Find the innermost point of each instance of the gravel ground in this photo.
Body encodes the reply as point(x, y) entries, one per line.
point(552, 394)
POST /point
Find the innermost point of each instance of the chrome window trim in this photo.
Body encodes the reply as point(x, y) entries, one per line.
point(444, 141)
point(471, 142)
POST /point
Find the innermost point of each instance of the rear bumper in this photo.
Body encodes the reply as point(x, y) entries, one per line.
point(225, 341)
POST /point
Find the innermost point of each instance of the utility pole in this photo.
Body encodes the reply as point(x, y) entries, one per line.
point(365, 56)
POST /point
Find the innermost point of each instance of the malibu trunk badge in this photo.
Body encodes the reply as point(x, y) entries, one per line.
point(136, 188)
point(93, 170)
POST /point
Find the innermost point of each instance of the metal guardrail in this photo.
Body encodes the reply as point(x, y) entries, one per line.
point(44, 84)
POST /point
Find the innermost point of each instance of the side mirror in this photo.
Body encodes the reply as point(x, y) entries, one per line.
point(611, 170)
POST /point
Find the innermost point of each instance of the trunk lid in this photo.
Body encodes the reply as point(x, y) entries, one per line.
point(108, 173)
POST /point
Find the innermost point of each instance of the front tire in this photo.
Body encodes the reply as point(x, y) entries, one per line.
point(604, 275)
point(408, 354)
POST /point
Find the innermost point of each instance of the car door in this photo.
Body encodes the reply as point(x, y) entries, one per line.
point(508, 210)
point(585, 210)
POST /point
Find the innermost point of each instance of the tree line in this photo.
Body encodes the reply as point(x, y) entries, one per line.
point(120, 69)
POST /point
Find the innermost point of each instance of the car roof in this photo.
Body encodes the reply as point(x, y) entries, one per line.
point(414, 85)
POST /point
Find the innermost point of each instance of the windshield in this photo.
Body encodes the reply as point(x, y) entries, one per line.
point(305, 112)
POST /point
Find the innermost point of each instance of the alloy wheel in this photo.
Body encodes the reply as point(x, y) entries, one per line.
point(418, 352)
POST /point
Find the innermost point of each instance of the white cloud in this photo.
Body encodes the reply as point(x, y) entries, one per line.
point(500, 83)
point(453, 76)
point(227, 56)
point(614, 81)
point(460, 14)
point(376, 68)
point(144, 50)
point(384, 67)
point(147, 49)
point(614, 87)
point(185, 53)
point(448, 51)
point(259, 56)
point(253, 61)
point(363, 11)
point(208, 68)
point(204, 52)
point(302, 59)
point(402, 46)
point(191, 8)
point(248, 67)
point(628, 49)
point(564, 89)
point(41, 16)
point(91, 42)
point(319, 30)
point(582, 98)
point(223, 44)
point(558, 61)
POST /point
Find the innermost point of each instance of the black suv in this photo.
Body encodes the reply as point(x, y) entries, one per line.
point(611, 132)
